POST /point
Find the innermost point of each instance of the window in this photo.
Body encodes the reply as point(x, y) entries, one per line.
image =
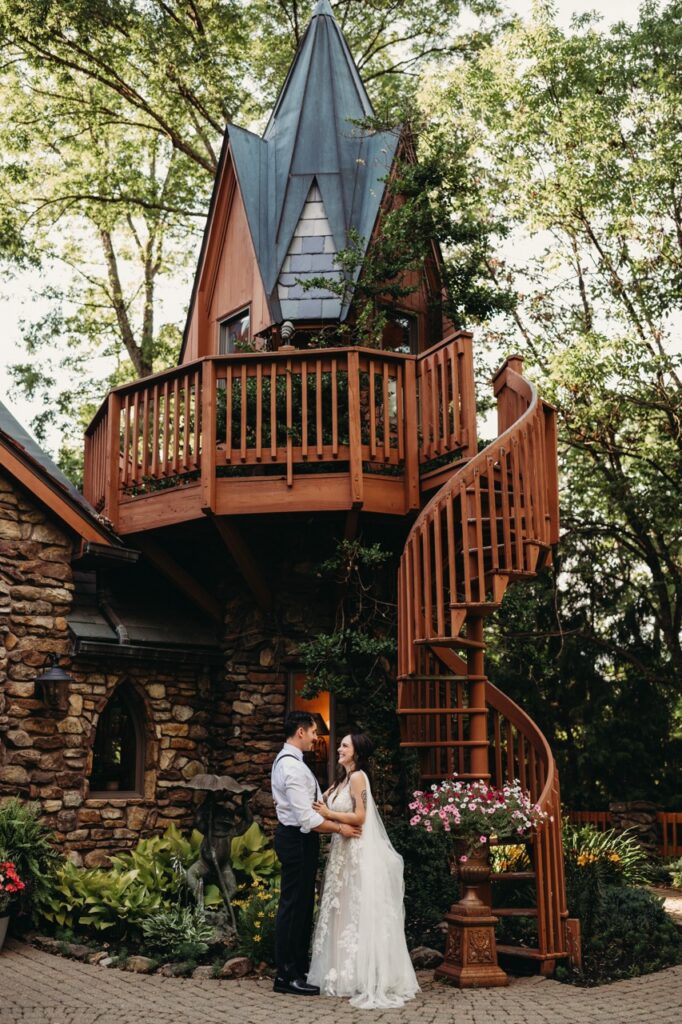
point(401, 333)
point(118, 750)
point(233, 331)
point(322, 759)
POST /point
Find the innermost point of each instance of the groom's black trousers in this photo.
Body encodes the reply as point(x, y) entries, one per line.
point(298, 853)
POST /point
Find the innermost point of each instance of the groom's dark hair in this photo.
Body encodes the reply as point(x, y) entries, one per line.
point(296, 720)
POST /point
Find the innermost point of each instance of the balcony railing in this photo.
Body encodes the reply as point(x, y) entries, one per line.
point(284, 431)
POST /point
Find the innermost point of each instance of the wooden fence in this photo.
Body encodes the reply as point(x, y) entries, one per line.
point(669, 823)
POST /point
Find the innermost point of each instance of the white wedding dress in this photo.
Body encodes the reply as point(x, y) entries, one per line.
point(359, 947)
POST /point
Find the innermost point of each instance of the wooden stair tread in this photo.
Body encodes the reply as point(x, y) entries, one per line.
point(512, 876)
point(529, 952)
point(515, 911)
point(451, 641)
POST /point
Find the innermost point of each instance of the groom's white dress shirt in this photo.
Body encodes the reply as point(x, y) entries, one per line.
point(294, 787)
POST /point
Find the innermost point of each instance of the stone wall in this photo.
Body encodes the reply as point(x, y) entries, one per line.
point(47, 756)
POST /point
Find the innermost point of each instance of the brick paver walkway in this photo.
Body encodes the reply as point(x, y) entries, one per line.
point(39, 988)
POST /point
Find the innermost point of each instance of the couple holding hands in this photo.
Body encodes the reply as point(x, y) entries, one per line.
point(358, 947)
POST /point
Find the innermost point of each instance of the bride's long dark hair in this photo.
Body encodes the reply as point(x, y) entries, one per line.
point(363, 749)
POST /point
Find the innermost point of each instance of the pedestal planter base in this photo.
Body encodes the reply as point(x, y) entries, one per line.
point(4, 924)
point(470, 950)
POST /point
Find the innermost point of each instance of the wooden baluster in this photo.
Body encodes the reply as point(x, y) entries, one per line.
point(155, 433)
point(372, 412)
point(208, 436)
point(478, 520)
point(289, 424)
point(409, 628)
point(273, 411)
point(492, 512)
point(197, 420)
point(318, 407)
point(176, 425)
point(304, 410)
point(435, 443)
point(410, 426)
point(136, 437)
point(400, 411)
point(452, 557)
point(506, 517)
point(532, 771)
point(455, 439)
point(428, 593)
point(499, 777)
point(187, 400)
point(355, 430)
point(126, 441)
point(521, 754)
point(386, 416)
point(511, 773)
point(445, 404)
point(464, 522)
point(461, 764)
point(259, 412)
point(438, 560)
point(244, 407)
point(229, 406)
point(166, 426)
point(335, 411)
point(518, 506)
point(145, 434)
point(418, 593)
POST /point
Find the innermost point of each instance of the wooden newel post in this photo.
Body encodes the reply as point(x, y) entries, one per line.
point(112, 459)
point(470, 950)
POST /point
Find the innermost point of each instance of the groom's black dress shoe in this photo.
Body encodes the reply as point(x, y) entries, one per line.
point(295, 987)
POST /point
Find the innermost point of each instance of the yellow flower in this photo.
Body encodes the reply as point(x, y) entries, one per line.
point(614, 857)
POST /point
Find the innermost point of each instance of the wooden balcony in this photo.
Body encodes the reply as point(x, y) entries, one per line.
point(287, 431)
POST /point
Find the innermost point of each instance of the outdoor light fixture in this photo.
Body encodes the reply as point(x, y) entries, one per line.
point(53, 686)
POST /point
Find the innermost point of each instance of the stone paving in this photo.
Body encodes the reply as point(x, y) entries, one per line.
point(40, 988)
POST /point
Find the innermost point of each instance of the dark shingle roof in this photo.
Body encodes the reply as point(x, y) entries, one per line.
point(311, 138)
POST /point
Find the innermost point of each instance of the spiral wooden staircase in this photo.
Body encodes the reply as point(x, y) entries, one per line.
point(491, 523)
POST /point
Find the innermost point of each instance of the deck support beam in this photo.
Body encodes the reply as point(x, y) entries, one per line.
point(178, 575)
point(234, 541)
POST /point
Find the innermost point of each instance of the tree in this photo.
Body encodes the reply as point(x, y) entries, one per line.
point(578, 140)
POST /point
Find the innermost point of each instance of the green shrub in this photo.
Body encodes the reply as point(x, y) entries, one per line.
point(177, 933)
point(430, 889)
point(621, 859)
point(30, 846)
point(256, 908)
point(629, 934)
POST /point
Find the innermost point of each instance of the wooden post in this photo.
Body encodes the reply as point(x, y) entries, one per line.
point(410, 428)
point(112, 458)
point(354, 430)
point(468, 387)
point(207, 457)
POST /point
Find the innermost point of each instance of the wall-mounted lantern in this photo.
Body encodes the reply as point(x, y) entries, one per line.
point(53, 686)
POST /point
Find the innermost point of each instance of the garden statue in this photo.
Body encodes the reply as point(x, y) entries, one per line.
point(219, 825)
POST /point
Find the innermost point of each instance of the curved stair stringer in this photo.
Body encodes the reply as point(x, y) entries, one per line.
point(493, 522)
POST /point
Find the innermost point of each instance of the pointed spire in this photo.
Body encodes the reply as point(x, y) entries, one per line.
point(323, 7)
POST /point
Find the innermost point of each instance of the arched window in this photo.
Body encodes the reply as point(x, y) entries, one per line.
point(118, 750)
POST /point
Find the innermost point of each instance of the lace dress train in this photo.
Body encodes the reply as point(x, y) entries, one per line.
point(359, 947)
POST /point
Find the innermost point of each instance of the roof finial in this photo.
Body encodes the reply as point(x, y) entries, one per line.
point(323, 7)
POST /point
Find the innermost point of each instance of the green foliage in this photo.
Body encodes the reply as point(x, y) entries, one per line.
point(252, 854)
point(618, 856)
point(430, 889)
point(30, 847)
point(675, 868)
point(257, 912)
point(119, 899)
point(629, 934)
point(178, 933)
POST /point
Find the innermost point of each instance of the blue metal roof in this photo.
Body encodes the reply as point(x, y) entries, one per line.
point(311, 138)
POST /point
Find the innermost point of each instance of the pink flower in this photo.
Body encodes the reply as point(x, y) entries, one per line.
point(415, 820)
point(483, 839)
point(463, 858)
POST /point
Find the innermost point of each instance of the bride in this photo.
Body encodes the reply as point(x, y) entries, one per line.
point(359, 947)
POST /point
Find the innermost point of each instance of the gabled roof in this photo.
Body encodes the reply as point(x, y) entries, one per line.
point(35, 470)
point(311, 139)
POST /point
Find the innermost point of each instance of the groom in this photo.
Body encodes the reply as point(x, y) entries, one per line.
point(297, 844)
